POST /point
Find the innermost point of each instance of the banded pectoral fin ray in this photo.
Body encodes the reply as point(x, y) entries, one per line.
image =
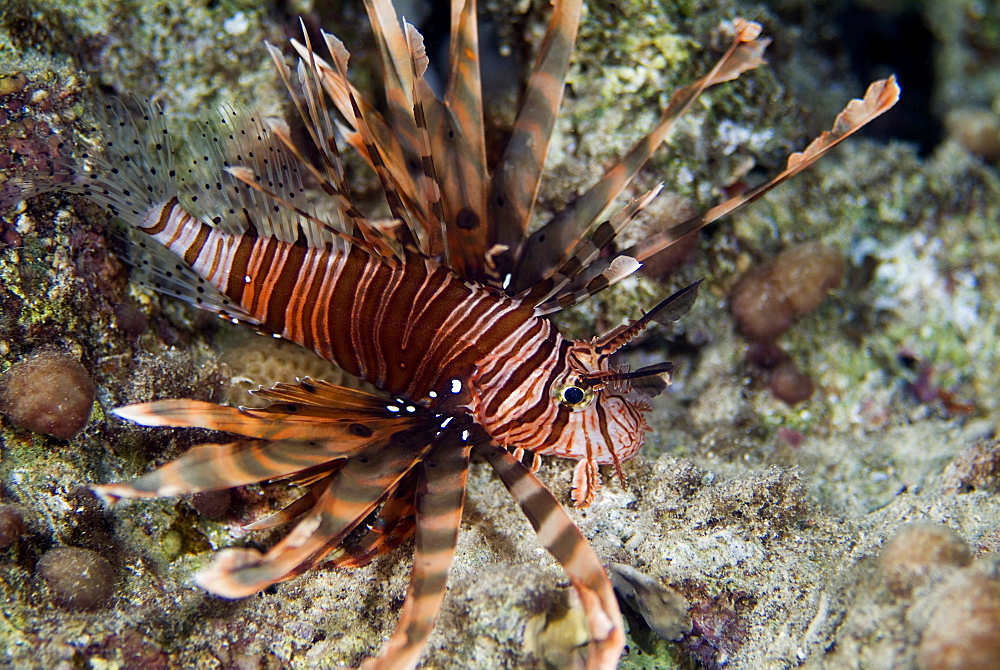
point(306, 424)
point(392, 524)
point(350, 428)
point(303, 503)
point(289, 446)
point(322, 394)
point(517, 178)
point(549, 243)
point(556, 287)
point(347, 499)
point(439, 503)
point(212, 466)
point(879, 97)
point(557, 533)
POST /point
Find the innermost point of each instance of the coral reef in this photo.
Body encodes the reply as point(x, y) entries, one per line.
point(952, 602)
point(256, 361)
point(976, 468)
point(776, 523)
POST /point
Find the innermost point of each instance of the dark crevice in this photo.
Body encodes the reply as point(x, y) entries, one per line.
point(881, 43)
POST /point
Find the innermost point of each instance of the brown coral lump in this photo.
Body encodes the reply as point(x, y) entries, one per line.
point(790, 385)
point(11, 525)
point(78, 578)
point(49, 393)
point(759, 306)
point(918, 551)
point(806, 273)
point(963, 632)
point(768, 297)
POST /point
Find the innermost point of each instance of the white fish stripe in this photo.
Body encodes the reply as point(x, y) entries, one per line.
point(295, 312)
point(357, 336)
point(320, 320)
point(423, 305)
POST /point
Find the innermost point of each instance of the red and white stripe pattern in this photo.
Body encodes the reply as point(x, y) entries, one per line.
point(419, 331)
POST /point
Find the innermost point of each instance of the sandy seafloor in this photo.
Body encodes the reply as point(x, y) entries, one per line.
point(768, 519)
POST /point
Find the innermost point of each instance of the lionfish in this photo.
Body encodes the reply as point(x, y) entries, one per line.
point(442, 306)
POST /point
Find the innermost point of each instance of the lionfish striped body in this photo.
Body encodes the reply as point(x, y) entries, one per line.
point(403, 326)
point(416, 330)
point(442, 307)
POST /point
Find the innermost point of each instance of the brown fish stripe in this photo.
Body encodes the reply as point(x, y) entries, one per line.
point(260, 265)
point(396, 316)
point(235, 286)
point(338, 308)
point(541, 349)
point(359, 294)
point(302, 297)
point(361, 312)
point(282, 290)
point(162, 219)
point(452, 339)
point(385, 360)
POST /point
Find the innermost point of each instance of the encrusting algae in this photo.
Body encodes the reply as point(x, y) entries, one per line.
point(708, 604)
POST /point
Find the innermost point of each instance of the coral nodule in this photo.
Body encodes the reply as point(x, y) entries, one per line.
point(78, 578)
point(918, 552)
point(768, 297)
point(963, 632)
point(11, 525)
point(48, 393)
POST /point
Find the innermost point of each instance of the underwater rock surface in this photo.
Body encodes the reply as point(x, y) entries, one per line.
point(771, 521)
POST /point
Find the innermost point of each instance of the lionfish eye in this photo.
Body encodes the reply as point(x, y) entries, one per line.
point(573, 396)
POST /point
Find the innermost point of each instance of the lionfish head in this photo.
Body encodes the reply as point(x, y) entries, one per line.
point(595, 413)
point(604, 403)
point(597, 407)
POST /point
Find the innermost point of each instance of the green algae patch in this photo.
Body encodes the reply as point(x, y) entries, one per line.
point(646, 651)
point(183, 54)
